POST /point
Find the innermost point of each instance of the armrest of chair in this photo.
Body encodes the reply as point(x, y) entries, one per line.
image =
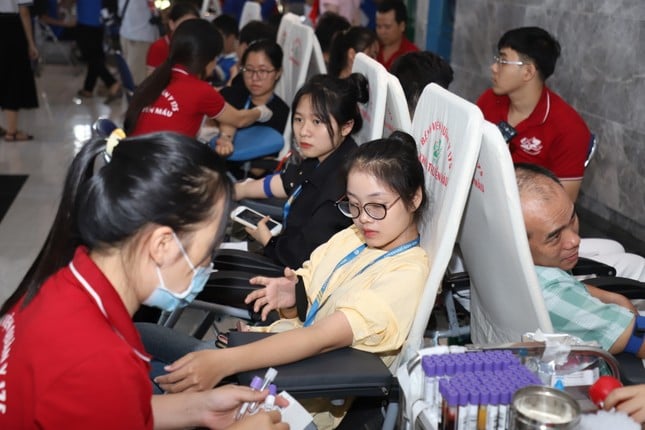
point(585, 266)
point(229, 288)
point(632, 371)
point(236, 260)
point(341, 373)
point(629, 288)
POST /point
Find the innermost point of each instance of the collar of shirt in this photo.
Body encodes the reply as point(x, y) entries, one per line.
point(117, 314)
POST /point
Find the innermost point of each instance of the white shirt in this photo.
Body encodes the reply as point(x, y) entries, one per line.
point(11, 6)
point(135, 25)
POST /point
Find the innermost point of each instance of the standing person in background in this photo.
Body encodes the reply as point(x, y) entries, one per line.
point(159, 50)
point(89, 33)
point(391, 18)
point(17, 49)
point(137, 34)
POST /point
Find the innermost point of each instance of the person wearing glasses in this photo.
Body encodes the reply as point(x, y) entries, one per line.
point(261, 68)
point(543, 129)
point(539, 126)
point(325, 115)
point(361, 288)
point(71, 355)
point(176, 97)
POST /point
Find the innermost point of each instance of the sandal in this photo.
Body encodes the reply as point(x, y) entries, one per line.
point(18, 136)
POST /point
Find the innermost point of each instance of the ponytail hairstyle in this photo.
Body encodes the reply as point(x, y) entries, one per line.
point(394, 161)
point(163, 178)
point(336, 98)
point(356, 38)
point(194, 44)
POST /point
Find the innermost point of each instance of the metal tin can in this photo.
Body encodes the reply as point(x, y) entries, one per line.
point(539, 407)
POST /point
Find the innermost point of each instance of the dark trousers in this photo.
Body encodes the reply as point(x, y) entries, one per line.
point(90, 42)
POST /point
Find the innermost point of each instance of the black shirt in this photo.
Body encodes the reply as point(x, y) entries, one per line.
point(313, 217)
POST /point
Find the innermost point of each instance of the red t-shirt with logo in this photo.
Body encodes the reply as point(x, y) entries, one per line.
point(73, 359)
point(181, 106)
point(553, 136)
point(158, 52)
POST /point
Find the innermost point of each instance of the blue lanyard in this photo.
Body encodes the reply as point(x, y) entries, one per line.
point(287, 205)
point(315, 306)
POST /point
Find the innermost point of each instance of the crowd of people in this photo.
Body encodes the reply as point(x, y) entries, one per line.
point(140, 225)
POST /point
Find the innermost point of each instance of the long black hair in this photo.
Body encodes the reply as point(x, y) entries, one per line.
point(161, 178)
point(194, 44)
point(356, 38)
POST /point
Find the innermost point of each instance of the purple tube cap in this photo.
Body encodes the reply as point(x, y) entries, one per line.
point(273, 390)
point(256, 383)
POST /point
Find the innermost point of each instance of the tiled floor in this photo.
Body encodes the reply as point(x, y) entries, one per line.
point(59, 125)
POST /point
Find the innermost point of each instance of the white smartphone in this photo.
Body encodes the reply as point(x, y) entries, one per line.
point(250, 218)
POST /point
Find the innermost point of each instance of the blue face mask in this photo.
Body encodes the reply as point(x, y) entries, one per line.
point(167, 300)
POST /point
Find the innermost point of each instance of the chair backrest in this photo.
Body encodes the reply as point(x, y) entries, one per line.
point(301, 59)
point(447, 130)
point(373, 112)
point(506, 300)
point(397, 115)
point(251, 11)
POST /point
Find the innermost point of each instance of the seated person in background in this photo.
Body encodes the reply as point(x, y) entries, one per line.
point(391, 17)
point(360, 289)
point(109, 251)
point(344, 47)
point(577, 309)
point(549, 132)
point(327, 25)
point(254, 30)
point(415, 70)
point(159, 50)
point(261, 67)
point(226, 25)
point(325, 114)
point(176, 98)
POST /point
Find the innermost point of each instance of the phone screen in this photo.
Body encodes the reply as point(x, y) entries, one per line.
point(254, 218)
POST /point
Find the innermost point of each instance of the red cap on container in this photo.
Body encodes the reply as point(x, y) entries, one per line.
point(601, 389)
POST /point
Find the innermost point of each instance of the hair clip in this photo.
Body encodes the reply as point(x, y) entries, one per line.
point(112, 141)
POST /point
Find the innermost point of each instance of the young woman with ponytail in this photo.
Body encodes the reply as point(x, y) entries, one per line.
point(175, 96)
point(140, 228)
point(344, 47)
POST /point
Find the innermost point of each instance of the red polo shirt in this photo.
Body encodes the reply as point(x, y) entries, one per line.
point(553, 136)
point(72, 359)
point(405, 47)
point(181, 106)
point(158, 52)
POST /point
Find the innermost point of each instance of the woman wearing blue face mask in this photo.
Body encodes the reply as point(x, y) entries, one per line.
point(138, 229)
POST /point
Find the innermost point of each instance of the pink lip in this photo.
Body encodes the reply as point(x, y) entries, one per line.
point(306, 145)
point(369, 233)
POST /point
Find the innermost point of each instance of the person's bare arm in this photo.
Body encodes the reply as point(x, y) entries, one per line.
point(254, 189)
point(610, 297)
point(239, 118)
point(201, 370)
point(25, 17)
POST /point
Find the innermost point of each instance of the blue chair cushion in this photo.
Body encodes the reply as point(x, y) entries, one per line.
point(254, 142)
